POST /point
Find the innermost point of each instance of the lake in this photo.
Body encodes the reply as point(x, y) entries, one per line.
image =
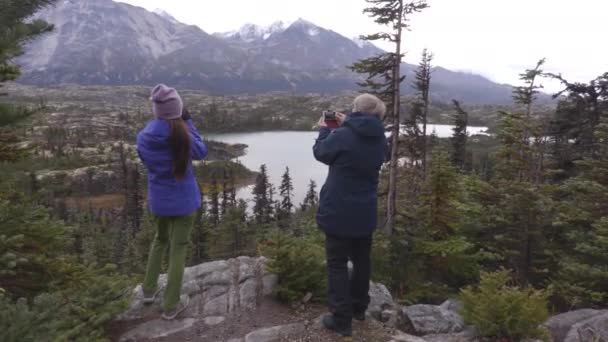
point(281, 149)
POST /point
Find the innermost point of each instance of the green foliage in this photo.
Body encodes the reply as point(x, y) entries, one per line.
point(460, 137)
point(500, 311)
point(286, 192)
point(311, 199)
point(76, 313)
point(298, 262)
point(583, 274)
point(32, 246)
point(263, 198)
point(15, 32)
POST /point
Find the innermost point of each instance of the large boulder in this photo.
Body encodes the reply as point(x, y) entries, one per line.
point(382, 307)
point(215, 289)
point(593, 329)
point(426, 319)
point(560, 325)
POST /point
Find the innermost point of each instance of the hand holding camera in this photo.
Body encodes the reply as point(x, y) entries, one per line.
point(332, 119)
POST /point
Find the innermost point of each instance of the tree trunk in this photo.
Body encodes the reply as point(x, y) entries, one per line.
point(391, 205)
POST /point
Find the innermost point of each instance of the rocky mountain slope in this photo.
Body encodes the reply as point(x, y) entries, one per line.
point(102, 42)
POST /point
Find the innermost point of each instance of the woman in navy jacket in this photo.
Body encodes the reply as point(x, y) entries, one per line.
point(167, 147)
point(348, 206)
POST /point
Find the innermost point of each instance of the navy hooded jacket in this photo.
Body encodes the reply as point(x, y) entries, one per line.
point(355, 153)
point(167, 195)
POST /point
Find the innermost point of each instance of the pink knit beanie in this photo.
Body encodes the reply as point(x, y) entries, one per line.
point(166, 103)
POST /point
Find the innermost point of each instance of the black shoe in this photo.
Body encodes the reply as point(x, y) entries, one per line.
point(329, 322)
point(359, 316)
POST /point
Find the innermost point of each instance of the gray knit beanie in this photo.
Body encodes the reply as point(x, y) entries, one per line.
point(166, 103)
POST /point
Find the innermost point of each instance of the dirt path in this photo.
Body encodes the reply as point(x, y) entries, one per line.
point(269, 313)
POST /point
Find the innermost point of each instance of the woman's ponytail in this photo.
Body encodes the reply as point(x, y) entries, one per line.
point(181, 145)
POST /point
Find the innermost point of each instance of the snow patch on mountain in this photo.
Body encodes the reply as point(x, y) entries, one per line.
point(165, 14)
point(252, 32)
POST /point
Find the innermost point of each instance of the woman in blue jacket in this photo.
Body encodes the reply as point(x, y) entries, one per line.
point(348, 206)
point(167, 147)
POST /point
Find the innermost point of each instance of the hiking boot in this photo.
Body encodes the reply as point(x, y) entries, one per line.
point(150, 297)
point(181, 306)
point(329, 322)
point(359, 316)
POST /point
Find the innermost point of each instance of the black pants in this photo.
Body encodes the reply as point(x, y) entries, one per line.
point(348, 294)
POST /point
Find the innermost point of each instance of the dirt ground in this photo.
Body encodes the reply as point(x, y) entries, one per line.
point(268, 314)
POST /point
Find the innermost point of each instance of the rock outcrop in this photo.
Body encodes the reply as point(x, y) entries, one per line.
point(425, 319)
point(579, 326)
point(220, 290)
point(215, 289)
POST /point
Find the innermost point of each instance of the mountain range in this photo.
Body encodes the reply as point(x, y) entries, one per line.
point(102, 42)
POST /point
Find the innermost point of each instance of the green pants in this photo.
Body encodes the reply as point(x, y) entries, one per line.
point(172, 233)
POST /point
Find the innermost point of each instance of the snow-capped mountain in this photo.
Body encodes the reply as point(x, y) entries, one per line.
point(112, 43)
point(249, 33)
point(165, 15)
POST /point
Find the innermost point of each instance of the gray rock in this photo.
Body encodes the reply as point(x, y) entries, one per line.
point(157, 328)
point(236, 340)
point(560, 325)
point(389, 317)
point(380, 300)
point(270, 282)
point(451, 305)
point(214, 320)
point(275, 334)
point(248, 294)
point(216, 306)
point(403, 337)
point(214, 288)
point(430, 319)
point(465, 336)
point(246, 268)
point(594, 329)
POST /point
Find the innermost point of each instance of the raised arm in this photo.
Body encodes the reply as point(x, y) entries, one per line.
point(199, 149)
point(329, 145)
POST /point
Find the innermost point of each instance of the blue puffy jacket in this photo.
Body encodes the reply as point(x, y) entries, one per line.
point(167, 195)
point(355, 153)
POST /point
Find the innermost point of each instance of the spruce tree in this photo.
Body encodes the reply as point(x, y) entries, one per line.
point(225, 193)
point(311, 199)
point(286, 192)
point(384, 77)
point(16, 30)
point(422, 84)
point(575, 122)
point(214, 203)
point(583, 273)
point(262, 202)
point(460, 136)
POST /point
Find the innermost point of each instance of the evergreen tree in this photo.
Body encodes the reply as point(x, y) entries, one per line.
point(286, 192)
point(384, 77)
point(460, 136)
point(214, 203)
point(225, 193)
point(583, 275)
point(311, 200)
point(576, 119)
point(422, 85)
point(200, 233)
point(262, 208)
point(16, 30)
point(441, 258)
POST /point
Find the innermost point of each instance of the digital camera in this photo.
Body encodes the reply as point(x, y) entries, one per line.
point(329, 115)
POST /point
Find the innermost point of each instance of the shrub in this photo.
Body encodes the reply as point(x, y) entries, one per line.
point(500, 311)
point(298, 262)
point(78, 313)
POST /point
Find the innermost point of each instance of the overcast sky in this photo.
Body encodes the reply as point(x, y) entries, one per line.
point(495, 38)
